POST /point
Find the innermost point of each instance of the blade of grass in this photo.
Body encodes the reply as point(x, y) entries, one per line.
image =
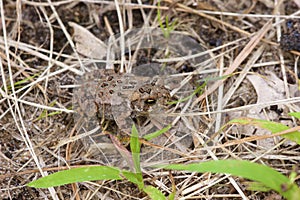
point(135, 148)
point(295, 114)
point(201, 88)
point(198, 90)
point(74, 175)
point(154, 193)
point(274, 127)
point(19, 84)
point(157, 133)
point(169, 27)
point(46, 114)
point(134, 178)
point(252, 171)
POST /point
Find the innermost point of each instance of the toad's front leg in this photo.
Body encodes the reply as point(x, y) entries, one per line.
point(122, 116)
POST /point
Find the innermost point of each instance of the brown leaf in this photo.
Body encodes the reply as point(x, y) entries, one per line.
point(87, 44)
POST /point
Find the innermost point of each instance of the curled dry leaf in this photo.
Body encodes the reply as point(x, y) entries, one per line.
point(269, 88)
point(297, 2)
point(87, 44)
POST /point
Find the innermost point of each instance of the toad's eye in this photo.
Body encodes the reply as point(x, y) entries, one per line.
point(150, 101)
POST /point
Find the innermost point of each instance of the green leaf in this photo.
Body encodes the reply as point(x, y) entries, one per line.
point(134, 178)
point(157, 133)
point(252, 171)
point(19, 84)
point(171, 196)
point(274, 127)
point(173, 193)
point(135, 148)
point(74, 175)
point(256, 186)
point(198, 90)
point(169, 27)
point(154, 193)
point(295, 114)
point(46, 114)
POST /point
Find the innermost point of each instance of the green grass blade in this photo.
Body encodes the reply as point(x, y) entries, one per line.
point(198, 90)
point(295, 114)
point(74, 175)
point(252, 171)
point(46, 113)
point(154, 193)
point(274, 127)
point(135, 148)
point(19, 84)
point(157, 133)
point(134, 178)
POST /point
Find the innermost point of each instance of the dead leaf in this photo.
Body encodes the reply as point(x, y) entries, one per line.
point(87, 44)
point(297, 2)
point(268, 88)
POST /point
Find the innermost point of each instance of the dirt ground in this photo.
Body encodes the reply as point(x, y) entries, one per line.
point(42, 55)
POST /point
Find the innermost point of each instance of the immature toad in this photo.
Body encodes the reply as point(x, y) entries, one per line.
point(120, 97)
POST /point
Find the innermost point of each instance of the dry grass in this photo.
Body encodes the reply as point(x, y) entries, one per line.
point(241, 38)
